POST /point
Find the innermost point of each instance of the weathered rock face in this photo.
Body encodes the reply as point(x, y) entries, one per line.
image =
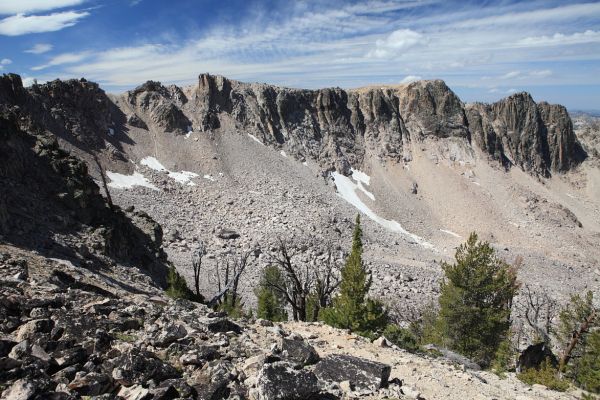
point(538, 138)
point(51, 204)
point(162, 104)
point(334, 126)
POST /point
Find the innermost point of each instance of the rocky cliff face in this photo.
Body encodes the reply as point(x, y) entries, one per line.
point(335, 127)
point(516, 131)
point(50, 204)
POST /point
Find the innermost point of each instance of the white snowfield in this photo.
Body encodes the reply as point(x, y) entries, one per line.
point(347, 188)
point(120, 181)
point(183, 177)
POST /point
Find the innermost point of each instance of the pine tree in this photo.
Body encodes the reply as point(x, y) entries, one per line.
point(351, 308)
point(271, 303)
point(177, 287)
point(475, 301)
point(579, 334)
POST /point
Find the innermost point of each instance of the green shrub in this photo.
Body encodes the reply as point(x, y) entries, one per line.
point(546, 375)
point(177, 287)
point(232, 306)
point(401, 337)
point(505, 358)
point(351, 308)
point(475, 301)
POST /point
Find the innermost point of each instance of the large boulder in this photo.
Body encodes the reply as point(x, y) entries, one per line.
point(138, 367)
point(297, 350)
point(361, 373)
point(534, 355)
point(280, 381)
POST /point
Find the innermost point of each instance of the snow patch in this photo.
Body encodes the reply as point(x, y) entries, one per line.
point(111, 132)
point(347, 190)
point(183, 177)
point(257, 140)
point(283, 153)
point(153, 163)
point(360, 178)
point(305, 163)
point(209, 177)
point(450, 233)
point(120, 181)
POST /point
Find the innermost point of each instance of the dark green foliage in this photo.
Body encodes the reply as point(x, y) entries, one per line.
point(401, 337)
point(233, 306)
point(177, 287)
point(588, 377)
point(475, 301)
point(504, 359)
point(546, 375)
point(271, 303)
point(576, 321)
point(351, 308)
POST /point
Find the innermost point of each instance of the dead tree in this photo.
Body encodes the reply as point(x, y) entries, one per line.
point(197, 265)
point(327, 279)
point(302, 281)
point(538, 310)
point(231, 272)
point(298, 280)
point(104, 184)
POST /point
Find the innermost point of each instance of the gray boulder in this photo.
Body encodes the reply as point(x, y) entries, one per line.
point(138, 367)
point(298, 351)
point(361, 373)
point(280, 381)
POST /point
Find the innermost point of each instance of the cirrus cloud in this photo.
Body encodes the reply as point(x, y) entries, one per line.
point(21, 24)
point(28, 6)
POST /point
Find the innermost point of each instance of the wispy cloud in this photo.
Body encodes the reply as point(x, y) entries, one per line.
point(21, 24)
point(40, 48)
point(62, 59)
point(29, 6)
point(557, 39)
point(411, 78)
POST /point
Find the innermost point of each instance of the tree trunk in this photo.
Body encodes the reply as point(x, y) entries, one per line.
point(566, 355)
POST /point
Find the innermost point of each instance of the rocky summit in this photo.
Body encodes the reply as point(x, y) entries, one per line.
point(103, 196)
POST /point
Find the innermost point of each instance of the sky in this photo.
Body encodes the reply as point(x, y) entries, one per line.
point(484, 50)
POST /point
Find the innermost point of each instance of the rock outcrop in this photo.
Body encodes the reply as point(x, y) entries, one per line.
point(335, 127)
point(538, 138)
point(49, 203)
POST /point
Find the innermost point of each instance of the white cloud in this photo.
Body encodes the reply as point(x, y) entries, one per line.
point(40, 48)
point(23, 24)
point(396, 43)
point(541, 73)
point(513, 19)
point(29, 6)
point(510, 91)
point(411, 78)
point(62, 59)
point(5, 61)
point(557, 39)
point(511, 75)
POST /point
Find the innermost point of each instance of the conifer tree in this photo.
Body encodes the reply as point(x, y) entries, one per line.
point(351, 308)
point(271, 303)
point(475, 301)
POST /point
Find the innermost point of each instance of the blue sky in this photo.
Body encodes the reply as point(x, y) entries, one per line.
point(484, 50)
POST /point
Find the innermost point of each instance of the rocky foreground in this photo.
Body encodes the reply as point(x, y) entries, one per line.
point(70, 333)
